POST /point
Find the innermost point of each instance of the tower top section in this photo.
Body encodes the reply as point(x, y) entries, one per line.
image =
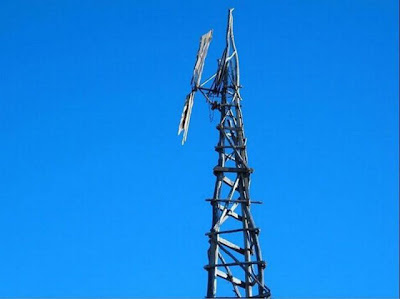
point(212, 87)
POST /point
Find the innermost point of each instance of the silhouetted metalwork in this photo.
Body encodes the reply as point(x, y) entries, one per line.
point(234, 255)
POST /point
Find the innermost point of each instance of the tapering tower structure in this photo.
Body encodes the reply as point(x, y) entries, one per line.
point(234, 255)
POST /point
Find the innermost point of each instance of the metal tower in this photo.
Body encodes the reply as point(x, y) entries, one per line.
point(234, 255)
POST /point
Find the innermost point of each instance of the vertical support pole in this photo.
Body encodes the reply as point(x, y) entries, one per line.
point(213, 250)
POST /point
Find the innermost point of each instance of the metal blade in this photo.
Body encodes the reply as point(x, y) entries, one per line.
point(185, 118)
point(205, 41)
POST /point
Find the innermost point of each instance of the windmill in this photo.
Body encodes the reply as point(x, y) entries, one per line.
point(234, 255)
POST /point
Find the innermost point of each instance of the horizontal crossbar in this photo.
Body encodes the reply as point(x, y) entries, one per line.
point(263, 263)
point(232, 169)
point(234, 200)
point(218, 147)
point(257, 230)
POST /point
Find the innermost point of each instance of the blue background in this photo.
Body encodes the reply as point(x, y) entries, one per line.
point(99, 198)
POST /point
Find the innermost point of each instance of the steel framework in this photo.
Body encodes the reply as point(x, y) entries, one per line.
point(239, 266)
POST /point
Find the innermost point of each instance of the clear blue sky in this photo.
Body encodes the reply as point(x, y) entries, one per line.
point(99, 198)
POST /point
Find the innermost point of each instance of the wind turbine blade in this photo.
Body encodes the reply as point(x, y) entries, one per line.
point(185, 118)
point(205, 41)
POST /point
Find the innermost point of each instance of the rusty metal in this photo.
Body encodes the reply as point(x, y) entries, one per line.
point(234, 259)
